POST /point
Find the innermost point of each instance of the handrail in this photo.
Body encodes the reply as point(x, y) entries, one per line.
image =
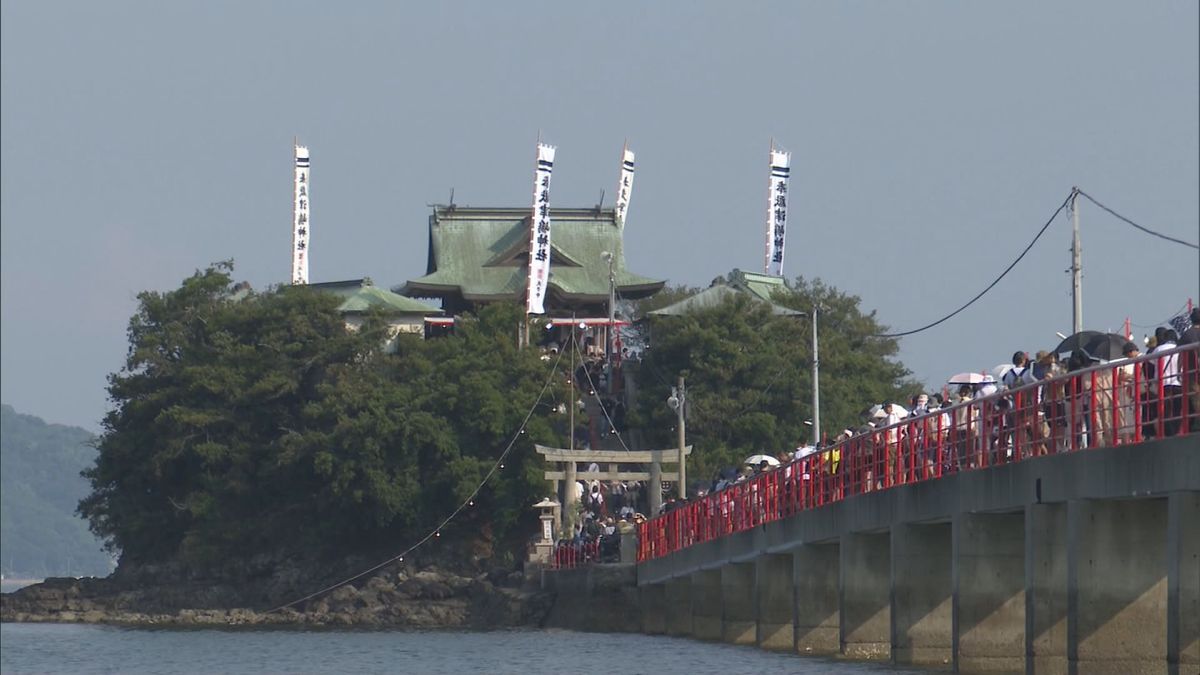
point(1115, 403)
point(571, 554)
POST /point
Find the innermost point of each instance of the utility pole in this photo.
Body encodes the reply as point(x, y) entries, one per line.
point(612, 313)
point(1076, 264)
point(681, 394)
point(816, 393)
point(566, 513)
point(571, 388)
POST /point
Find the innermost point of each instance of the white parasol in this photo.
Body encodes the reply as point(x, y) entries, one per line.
point(755, 460)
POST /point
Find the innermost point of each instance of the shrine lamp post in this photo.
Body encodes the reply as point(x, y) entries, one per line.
point(612, 312)
point(677, 401)
point(816, 381)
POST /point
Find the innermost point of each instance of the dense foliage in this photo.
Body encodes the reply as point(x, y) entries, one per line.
point(749, 374)
point(40, 535)
point(244, 423)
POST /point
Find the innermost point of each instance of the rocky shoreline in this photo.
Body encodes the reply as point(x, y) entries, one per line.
point(396, 598)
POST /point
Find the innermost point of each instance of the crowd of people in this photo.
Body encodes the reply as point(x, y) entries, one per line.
point(607, 511)
point(1029, 410)
point(1026, 409)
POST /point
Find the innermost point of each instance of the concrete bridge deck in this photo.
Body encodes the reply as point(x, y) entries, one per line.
point(1086, 562)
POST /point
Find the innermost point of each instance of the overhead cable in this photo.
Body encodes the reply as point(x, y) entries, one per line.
point(1179, 312)
point(1130, 222)
point(991, 285)
point(436, 532)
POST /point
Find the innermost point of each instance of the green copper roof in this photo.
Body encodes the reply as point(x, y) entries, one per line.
point(760, 285)
point(482, 254)
point(361, 296)
point(757, 287)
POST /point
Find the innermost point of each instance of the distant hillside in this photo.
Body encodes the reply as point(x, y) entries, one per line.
point(40, 486)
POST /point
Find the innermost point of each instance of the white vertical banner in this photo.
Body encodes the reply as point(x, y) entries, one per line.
point(777, 201)
point(624, 186)
point(300, 223)
point(539, 231)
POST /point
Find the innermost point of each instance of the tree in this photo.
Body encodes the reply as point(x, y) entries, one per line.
point(749, 375)
point(258, 423)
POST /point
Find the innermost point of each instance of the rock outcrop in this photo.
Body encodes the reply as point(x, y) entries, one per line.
point(394, 597)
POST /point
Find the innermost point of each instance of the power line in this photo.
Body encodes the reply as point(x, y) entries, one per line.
point(436, 532)
point(991, 285)
point(1182, 309)
point(1130, 222)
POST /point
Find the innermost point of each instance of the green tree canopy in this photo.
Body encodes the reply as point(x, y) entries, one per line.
point(249, 423)
point(749, 374)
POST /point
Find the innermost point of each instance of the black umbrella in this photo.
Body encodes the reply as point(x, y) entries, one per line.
point(1106, 346)
point(1077, 341)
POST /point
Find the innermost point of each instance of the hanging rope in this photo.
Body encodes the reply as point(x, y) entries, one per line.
point(436, 532)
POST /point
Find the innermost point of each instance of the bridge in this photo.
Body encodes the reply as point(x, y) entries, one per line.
point(1050, 528)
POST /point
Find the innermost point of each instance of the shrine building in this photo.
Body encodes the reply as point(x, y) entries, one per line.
point(481, 255)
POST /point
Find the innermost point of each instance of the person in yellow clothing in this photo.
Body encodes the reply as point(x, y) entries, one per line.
point(833, 463)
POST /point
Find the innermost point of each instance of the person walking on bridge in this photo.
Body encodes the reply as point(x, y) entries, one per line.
point(1169, 386)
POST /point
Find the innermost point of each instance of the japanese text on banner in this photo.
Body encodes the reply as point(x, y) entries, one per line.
point(300, 222)
point(777, 204)
point(539, 231)
point(624, 186)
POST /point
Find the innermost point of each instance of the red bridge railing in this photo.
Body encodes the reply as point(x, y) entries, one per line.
point(1116, 403)
point(569, 555)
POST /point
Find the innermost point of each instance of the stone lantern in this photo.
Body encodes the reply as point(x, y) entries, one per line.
point(544, 548)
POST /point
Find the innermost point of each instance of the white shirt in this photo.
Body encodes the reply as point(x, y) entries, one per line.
point(1018, 376)
point(1168, 366)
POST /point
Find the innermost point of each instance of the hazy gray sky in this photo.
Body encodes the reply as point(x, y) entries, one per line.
point(143, 140)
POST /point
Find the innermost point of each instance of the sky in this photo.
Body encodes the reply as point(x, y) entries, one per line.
point(931, 141)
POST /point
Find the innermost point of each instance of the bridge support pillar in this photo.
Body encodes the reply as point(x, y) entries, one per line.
point(776, 601)
point(1116, 585)
point(1183, 582)
point(818, 618)
point(864, 590)
point(989, 592)
point(653, 601)
point(678, 614)
point(922, 596)
point(739, 624)
point(1046, 589)
point(706, 604)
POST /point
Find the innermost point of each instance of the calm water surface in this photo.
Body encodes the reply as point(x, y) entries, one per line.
point(75, 648)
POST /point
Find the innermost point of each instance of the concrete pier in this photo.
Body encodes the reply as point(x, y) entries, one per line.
point(707, 605)
point(1183, 582)
point(1046, 588)
point(866, 596)
point(678, 593)
point(989, 592)
point(740, 622)
point(1116, 586)
point(776, 602)
point(815, 570)
point(653, 600)
point(922, 582)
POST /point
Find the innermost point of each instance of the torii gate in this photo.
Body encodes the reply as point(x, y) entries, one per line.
point(609, 459)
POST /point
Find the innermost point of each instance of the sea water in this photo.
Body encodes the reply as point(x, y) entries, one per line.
point(82, 648)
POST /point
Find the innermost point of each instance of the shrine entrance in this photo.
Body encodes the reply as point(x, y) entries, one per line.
point(564, 472)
